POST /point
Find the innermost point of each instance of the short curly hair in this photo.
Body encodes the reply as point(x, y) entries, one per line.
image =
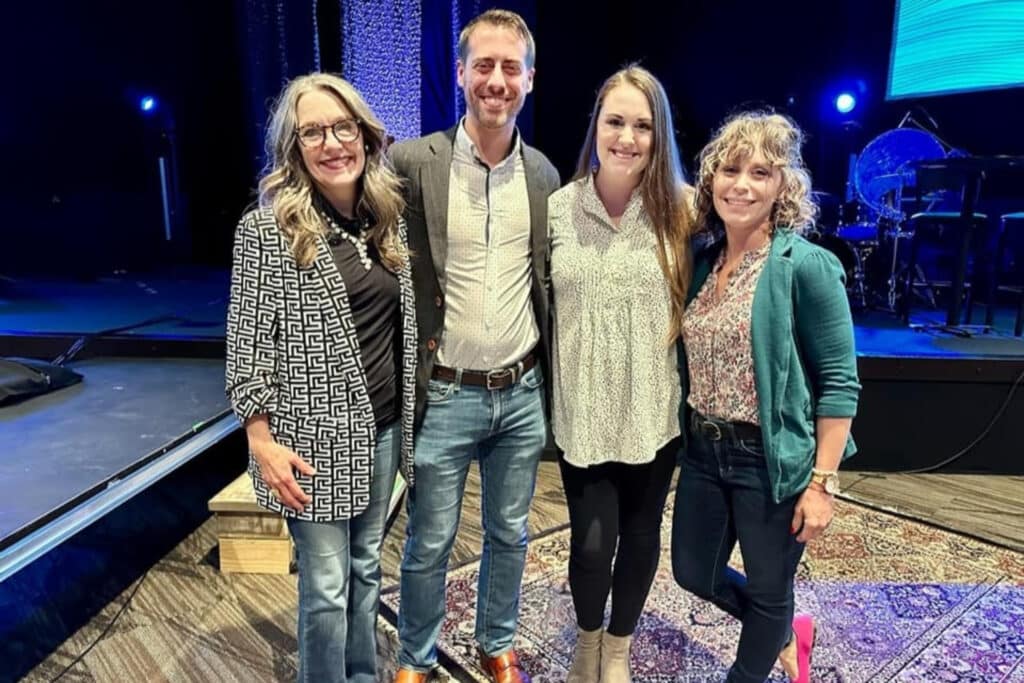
point(779, 139)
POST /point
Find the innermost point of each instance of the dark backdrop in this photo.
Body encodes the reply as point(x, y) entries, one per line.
point(80, 185)
point(714, 57)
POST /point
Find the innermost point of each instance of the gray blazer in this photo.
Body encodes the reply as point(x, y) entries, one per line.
point(425, 164)
point(292, 353)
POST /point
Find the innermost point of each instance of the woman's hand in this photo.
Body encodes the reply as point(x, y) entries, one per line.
point(815, 508)
point(277, 465)
point(813, 513)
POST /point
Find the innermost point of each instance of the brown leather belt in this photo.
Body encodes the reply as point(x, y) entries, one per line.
point(492, 379)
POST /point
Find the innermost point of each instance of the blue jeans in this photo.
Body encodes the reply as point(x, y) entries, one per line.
point(505, 430)
point(724, 495)
point(339, 580)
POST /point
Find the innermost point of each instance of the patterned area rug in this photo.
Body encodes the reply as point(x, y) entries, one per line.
point(897, 601)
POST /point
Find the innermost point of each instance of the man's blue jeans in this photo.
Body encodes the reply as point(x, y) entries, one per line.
point(504, 430)
point(339, 581)
point(724, 496)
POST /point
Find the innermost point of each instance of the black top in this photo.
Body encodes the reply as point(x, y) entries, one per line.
point(373, 296)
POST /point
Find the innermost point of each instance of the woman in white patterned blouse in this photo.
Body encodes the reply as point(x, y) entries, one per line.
point(619, 268)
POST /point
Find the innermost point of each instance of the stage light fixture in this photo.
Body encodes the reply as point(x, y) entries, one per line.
point(147, 104)
point(845, 103)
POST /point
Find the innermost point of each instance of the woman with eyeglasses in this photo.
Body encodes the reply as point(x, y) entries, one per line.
point(320, 356)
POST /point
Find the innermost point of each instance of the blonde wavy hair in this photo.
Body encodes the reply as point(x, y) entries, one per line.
point(286, 186)
point(779, 139)
point(663, 185)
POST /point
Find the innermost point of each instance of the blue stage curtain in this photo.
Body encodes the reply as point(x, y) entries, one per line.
point(400, 54)
point(278, 40)
point(440, 97)
point(380, 54)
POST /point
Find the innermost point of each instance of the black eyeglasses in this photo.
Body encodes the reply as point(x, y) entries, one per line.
point(313, 135)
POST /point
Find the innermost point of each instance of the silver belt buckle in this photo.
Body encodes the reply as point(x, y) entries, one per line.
point(708, 429)
point(718, 431)
point(516, 371)
point(496, 375)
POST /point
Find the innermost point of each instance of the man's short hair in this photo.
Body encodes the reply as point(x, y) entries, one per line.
point(501, 18)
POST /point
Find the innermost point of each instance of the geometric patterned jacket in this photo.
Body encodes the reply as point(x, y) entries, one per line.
point(292, 353)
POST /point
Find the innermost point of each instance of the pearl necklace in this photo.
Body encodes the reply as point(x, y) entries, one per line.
point(336, 233)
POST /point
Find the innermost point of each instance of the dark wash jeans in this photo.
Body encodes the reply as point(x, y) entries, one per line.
point(724, 496)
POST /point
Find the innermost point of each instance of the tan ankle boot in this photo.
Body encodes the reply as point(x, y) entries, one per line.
point(615, 658)
point(586, 657)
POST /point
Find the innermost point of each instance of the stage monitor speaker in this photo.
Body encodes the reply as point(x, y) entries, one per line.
point(22, 378)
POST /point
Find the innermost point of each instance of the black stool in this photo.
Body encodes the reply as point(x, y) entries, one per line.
point(946, 229)
point(1008, 268)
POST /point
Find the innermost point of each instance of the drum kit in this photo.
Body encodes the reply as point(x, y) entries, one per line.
point(869, 247)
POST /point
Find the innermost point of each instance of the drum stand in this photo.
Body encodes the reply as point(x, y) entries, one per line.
point(858, 287)
point(898, 273)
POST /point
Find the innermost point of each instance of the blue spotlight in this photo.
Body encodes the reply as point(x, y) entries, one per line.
point(148, 104)
point(845, 103)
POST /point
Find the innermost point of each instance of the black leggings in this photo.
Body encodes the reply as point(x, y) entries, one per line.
point(615, 504)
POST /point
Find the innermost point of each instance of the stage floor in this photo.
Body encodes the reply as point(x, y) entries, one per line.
point(193, 305)
point(882, 335)
point(63, 447)
point(188, 302)
point(60, 448)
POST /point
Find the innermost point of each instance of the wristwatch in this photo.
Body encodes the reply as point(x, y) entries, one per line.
point(829, 480)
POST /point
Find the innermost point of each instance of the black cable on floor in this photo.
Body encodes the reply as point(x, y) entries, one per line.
point(985, 432)
point(106, 630)
point(80, 343)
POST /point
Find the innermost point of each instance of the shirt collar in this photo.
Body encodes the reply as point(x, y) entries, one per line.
point(465, 148)
point(592, 204)
point(748, 259)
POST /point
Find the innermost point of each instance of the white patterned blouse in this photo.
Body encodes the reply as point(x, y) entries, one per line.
point(616, 391)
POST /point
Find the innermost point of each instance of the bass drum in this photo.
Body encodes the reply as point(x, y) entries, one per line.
point(848, 256)
point(858, 232)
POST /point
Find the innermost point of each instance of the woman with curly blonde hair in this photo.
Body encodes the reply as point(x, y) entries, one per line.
point(321, 342)
point(770, 387)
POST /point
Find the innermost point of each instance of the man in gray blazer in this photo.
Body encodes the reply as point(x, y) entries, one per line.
point(477, 220)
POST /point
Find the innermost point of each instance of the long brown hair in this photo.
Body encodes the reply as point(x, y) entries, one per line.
point(663, 185)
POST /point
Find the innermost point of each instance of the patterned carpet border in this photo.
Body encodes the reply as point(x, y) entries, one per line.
point(897, 600)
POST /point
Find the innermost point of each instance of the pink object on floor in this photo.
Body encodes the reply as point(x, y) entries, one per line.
point(804, 630)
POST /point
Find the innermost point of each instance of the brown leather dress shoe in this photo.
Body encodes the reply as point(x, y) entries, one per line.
point(504, 668)
point(410, 676)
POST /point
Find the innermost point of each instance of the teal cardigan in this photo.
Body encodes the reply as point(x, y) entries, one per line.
point(805, 365)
